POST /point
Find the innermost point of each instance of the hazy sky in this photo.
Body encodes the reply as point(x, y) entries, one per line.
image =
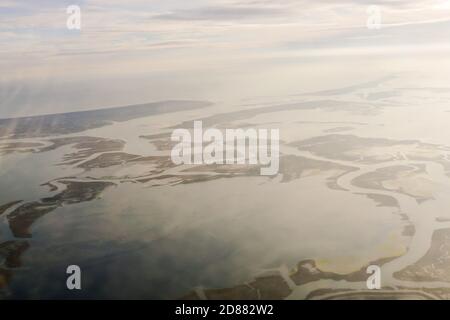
point(142, 50)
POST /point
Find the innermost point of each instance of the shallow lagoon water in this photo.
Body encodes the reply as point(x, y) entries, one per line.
point(140, 240)
point(145, 237)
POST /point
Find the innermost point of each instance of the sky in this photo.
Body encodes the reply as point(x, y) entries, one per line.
point(138, 51)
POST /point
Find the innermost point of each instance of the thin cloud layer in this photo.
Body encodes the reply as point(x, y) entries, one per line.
point(162, 38)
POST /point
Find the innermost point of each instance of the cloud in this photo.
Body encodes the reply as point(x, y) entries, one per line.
point(35, 33)
point(226, 13)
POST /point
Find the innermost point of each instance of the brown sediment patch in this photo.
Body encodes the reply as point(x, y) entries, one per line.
point(291, 167)
point(50, 185)
point(5, 207)
point(11, 147)
point(345, 147)
point(275, 287)
point(375, 179)
point(11, 251)
point(262, 288)
point(188, 179)
point(161, 162)
point(10, 257)
point(271, 287)
point(367, 150)
point(375, 295)
point(294, 167)
point(199, 173)
point(107, 160)
point(307, 271)
point(15, 145)
point(77, 192)
point(409, 230)
point(332, 182)
point(440, 293)
point(21, 219)
point(322, 292)
point(86, 146)
point(163, 145)
point(383, 200)
point(5, 278)
point(434, 265)
point(394, 175)
point(241, 169)
point(161, 141)
point(157, 136)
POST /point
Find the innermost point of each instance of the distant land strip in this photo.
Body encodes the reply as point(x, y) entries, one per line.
point(73, 122)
